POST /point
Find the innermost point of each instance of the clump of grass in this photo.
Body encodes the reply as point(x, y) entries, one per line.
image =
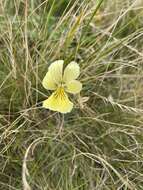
point(99, 144)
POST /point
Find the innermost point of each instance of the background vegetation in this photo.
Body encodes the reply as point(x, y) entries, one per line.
point(99, 145)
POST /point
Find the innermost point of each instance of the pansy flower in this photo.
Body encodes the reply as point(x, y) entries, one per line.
point(62, 81)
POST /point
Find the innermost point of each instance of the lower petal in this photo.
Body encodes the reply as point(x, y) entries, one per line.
point(58, 102)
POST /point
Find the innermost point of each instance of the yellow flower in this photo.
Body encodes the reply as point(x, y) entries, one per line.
point(61, 81)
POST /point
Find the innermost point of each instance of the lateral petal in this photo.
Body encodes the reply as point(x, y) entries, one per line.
point(74, 87)
point(54, 75)
point(48, 82)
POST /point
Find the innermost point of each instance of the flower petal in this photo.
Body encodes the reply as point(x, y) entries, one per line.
point(71, 72)
point(58, 101)
point(74, 87)
point(48, 82)
point(54, 75)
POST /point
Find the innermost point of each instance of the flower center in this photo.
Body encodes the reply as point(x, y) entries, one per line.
point(60, 93)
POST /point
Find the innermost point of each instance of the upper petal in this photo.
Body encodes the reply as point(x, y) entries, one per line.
point(58, 101)
point(54, 75)
point(74, 87)
point(71, 72)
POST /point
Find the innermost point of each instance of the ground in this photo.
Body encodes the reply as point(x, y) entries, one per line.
point(97, 146)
